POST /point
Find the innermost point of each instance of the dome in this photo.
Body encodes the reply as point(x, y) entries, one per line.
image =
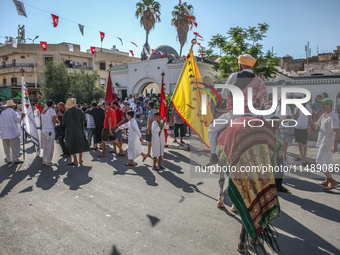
point(163, 49)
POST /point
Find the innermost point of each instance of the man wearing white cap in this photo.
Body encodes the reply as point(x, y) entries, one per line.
point(243, 79)
point(10, 133)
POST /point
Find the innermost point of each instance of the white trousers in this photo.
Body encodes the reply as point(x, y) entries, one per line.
point(47, 145)
point(12, 149)
point(324, 156)
point(40, 142)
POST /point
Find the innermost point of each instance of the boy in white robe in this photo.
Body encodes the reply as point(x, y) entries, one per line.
point(158, 140)
point(135, 139)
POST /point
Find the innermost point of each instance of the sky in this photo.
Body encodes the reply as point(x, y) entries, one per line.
point(293, 23)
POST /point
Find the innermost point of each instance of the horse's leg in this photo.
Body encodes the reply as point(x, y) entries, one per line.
point(221, 181)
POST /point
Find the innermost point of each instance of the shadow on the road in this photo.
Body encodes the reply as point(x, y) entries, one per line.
point(142, 171)
point(78, 176)
point(115, 251)
point(153, 220)
point(321, 210)
point(299, 239)
point(17, 175)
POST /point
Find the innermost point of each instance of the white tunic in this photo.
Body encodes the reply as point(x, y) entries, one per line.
point(10, 124)
point(134, 143)
point(158, 141)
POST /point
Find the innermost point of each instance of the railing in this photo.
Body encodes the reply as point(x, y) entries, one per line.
point(17, 65)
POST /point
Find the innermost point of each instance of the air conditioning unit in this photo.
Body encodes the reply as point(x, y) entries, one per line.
point(5, 58)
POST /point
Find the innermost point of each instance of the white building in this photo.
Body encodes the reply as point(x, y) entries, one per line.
point(138, 77)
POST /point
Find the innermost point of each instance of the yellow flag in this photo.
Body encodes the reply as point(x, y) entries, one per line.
point(187, 99)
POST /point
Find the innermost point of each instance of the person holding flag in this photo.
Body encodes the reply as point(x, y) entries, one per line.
point(243, 79)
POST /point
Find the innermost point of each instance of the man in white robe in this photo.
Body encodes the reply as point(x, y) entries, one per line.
point(135, 139)
point(158, 140)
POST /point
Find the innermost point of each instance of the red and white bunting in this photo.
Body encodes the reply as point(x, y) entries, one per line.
point(55, 19)
point(153, 51)
point(131, 51)
point(160, 53)
point(102, 35)
point(134, 44)
point(184, 57)
point(43, 45)
point(93, 50)
point(192, 20)
point(197, 34)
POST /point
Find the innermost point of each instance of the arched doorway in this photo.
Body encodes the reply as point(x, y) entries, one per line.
point(337, 104)
point(149, 83)
point(151, 88)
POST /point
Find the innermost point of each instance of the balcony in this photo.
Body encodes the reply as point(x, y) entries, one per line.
point(15, 68)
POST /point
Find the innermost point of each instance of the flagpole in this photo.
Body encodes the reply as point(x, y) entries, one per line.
point(22, 70)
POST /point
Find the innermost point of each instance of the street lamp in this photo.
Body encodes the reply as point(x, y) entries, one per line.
point(35, 70)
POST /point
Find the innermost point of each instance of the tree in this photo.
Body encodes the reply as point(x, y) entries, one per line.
point(59, 84)
point(246, 41)
point(182, 22)
point(82, 87)
point(218, 41)
point(149, 13)
point(56, 82)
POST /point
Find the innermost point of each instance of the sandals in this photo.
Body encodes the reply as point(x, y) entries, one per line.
point(121, 155)
point(161, 167)
point(144, 158)
point(323, 183)
point(282, 189)
point(113, 151)
point(129, 164)
point(330, 187)
point(298, 159)
point(101, 156)
point(240, 248)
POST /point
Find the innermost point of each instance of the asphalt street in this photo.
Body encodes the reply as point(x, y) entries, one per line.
point(104, 207)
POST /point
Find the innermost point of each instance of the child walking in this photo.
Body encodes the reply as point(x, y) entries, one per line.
point(158, 140)
point(134, 139)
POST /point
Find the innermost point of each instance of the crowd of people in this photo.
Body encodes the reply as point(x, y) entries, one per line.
point(79, 128)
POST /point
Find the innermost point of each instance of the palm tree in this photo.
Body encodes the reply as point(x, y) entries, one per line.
point(181, 22)
point(218, 41)
point(149, 13)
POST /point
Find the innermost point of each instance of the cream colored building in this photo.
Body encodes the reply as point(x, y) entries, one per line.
point(14, 59)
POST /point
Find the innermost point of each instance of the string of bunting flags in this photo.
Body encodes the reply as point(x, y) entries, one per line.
point(20, 7)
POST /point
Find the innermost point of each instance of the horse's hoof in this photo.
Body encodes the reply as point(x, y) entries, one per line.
point(220, 204)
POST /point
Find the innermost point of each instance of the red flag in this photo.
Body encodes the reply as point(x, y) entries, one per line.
point(193, 21)
point(43, 45)
point(93, 50)
point(163, 108)
point(153, 52)
point(132, 53)
point(160, 53)
point(184, 57)
point(102, 35)
point(55, 19)
point(109, 97)
point(39, 106)
point(167, 55)
point(195, 33)
point(134, 44)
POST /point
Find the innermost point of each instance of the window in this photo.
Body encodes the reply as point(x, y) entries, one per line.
point(13, 62)
point(102, 65)
point(102, 82)
point(48, 59)
point(14, 81)
point(3, 64)
point(4, 82)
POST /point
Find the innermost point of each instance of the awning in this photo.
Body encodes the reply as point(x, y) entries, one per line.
point(5, 93)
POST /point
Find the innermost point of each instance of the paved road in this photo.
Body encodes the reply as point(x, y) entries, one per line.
point(104, 207)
